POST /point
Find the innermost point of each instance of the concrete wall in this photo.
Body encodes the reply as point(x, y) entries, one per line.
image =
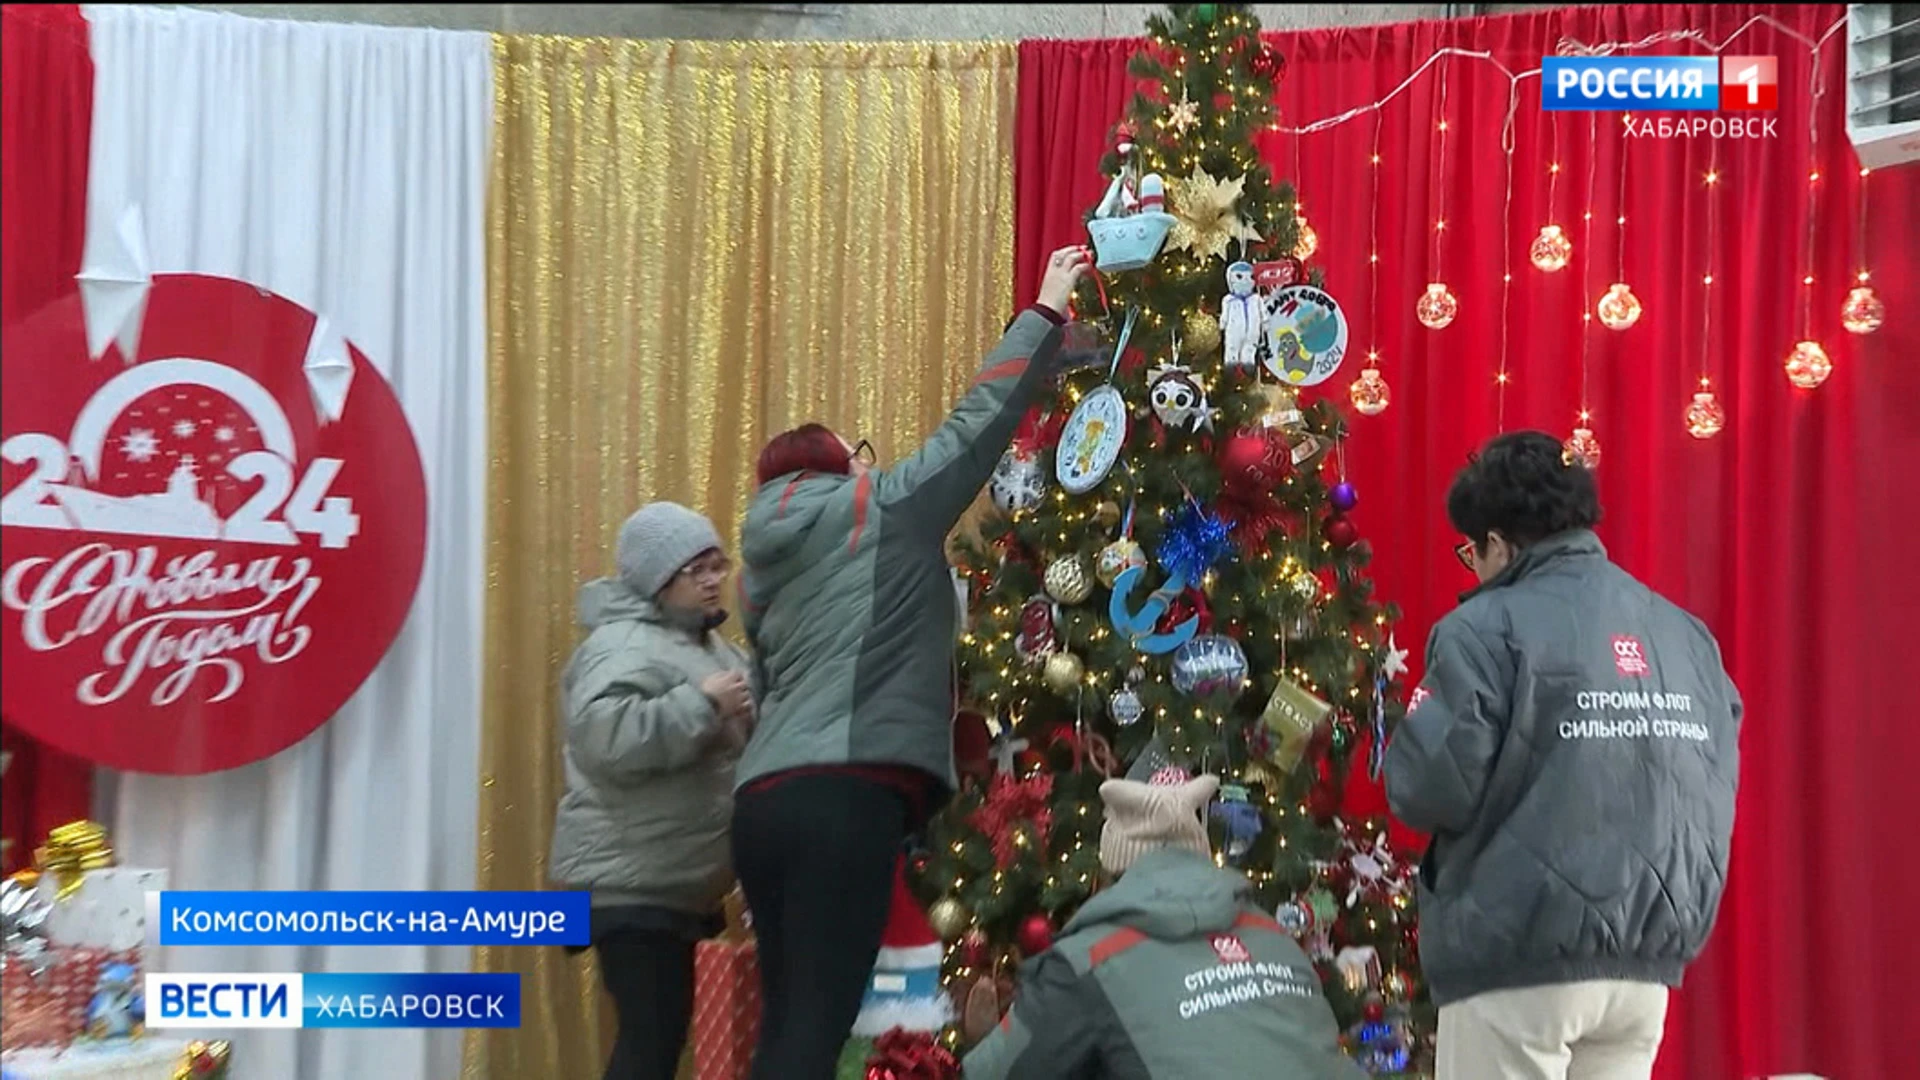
point(893, 22)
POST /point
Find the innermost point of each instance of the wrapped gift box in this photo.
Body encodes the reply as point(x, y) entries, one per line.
point(49, 1008)
point(107, 911)
point(726, 1009)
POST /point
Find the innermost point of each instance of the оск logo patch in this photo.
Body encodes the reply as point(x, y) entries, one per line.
point(1628, 658)
point(206, 551)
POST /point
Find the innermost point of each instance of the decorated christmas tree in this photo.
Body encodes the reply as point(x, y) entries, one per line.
point(1174, 581)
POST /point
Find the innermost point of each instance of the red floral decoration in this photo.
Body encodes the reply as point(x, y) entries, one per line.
point(1010, 803)
point(910, 1055)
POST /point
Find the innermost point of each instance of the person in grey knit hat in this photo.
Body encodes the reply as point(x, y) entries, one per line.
point(657, 709)
point(1171, 972)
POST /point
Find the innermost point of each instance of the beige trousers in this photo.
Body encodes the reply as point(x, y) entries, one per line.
point(1600, 1030)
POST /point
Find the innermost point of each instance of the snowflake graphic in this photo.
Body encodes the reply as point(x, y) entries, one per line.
point(184, 429)
point(139, 445)
point(223, 433)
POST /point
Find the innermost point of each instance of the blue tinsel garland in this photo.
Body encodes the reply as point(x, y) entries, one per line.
point(1194, 541)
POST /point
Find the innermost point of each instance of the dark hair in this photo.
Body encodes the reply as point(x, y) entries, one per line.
point(807, 448)
point(1521, 486)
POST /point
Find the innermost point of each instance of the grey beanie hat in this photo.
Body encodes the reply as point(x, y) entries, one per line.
point(658, 540)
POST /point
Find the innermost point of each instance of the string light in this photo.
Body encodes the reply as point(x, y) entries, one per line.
point(1437, 307)
point(1863, 312)
point(1551, 250)
point(1807, 365)
point(1583, 447)
point(1619, 309)
point(1369, 392)
point(1705, 416)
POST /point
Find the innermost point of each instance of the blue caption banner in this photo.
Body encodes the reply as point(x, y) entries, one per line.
point(369, 918)
point(1628, 83)
point(332, 1000)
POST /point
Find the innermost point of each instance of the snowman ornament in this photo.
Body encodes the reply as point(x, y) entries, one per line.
point(1243, 319)
point(1177, 398)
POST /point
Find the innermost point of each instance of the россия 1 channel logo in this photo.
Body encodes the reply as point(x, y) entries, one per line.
point(1665, 84)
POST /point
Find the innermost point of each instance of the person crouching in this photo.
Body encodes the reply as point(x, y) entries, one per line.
point(1170, 972)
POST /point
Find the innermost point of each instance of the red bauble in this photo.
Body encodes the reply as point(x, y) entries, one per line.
point(1341, 532)
point(1031, 760)
point(1375, 1011)
point(1036, 935)
point(1252, 460)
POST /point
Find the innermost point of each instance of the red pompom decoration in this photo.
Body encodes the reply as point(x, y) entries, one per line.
point(1341, 532)
point(910, 1055)
point(1036, 935)
point(975, 950)
point(1375, 1011)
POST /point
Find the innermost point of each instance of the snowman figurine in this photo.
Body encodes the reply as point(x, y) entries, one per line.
point(1243, 319)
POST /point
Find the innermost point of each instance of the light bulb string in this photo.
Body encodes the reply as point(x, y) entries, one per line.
point(1565, 47)
point(1706, 279)
point(1373, 251)
point(1440, 187)
point(1553, 169)
point(1620, 219)
point(1586, 262)
point(1506, 294)
point(1865, 273)
point(1816, 91)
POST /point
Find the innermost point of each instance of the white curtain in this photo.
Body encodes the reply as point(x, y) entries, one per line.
point(345, 168)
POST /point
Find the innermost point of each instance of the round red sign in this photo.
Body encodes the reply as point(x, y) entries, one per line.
point(202, 554)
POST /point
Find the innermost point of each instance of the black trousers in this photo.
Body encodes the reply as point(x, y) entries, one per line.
point(815, 855)
point(649, 973)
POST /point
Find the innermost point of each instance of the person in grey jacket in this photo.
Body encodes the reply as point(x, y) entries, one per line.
point(849, 606)
point(1574, 751)
point(657, 709)
point(1171, 973)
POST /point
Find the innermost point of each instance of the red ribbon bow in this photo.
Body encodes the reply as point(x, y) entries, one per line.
point(1090, 749)
point(910, 1055)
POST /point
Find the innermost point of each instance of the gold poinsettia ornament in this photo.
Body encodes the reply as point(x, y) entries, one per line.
point(1206, 214)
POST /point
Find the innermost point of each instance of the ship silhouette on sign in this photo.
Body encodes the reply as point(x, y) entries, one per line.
point(177, 512)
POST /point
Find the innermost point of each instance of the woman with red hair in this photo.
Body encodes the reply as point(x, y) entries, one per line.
point(849, 606)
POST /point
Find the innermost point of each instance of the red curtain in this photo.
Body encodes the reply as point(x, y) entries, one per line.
point(1784, 532)
point(46, 118)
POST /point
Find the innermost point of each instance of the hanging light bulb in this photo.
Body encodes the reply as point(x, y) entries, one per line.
point(1863, 312)
point(1551, 250)
point(1808, 366)
point(1705, 415)
point(1437, 307)
point(1369, 392)
point(1305, 241)
point(1619, 308)
point(1581, 448)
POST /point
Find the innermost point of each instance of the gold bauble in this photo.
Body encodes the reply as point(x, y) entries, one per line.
point(1582, 448)
point(1200, 333)
point(1107, 514)
point(1063, 673)
point(949, 918)
point(1619, 308)
point(1437, 307)
point(1115, 558)
point(1307, 585)
point(1067, 579)
point(1705, 415)
point(1863, 312)
point(1808, 366)
point(1551, 250)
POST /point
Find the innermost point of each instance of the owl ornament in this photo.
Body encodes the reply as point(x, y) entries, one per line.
point(1178, 399)
point(1243, 319)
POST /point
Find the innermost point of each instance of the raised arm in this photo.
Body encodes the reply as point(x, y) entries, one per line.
point(939, 481)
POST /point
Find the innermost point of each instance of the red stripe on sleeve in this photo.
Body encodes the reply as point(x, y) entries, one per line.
point(788, 493)
point(1002, 370)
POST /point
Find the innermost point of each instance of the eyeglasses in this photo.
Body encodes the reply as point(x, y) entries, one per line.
point(714, 570)
point(863, 452)
point(1464, 552)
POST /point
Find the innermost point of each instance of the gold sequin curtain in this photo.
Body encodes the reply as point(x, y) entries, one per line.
point(694, 246)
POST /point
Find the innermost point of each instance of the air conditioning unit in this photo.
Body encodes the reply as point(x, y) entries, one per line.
point(1883, 83)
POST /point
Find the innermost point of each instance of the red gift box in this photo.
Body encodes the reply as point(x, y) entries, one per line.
point(726, 1009)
